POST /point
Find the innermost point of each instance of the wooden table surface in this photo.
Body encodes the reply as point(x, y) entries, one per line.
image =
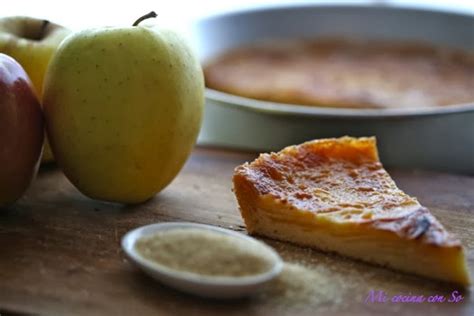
point(60, 251)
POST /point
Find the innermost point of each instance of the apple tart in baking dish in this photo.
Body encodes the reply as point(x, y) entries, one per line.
point(336, 72)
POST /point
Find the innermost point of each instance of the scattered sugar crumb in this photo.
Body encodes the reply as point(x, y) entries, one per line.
point(302, 287)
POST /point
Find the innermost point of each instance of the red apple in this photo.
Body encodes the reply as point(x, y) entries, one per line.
point(32, 42)
point(21, 131)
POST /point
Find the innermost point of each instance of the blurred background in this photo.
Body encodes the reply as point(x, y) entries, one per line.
point(409, 136)
point(176, 13)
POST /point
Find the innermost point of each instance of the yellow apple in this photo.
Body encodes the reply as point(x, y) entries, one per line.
point(123, 109)
point(32, 43)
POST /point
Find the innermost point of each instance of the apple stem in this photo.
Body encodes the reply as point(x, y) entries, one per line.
point(152, 14)
point(44, 26)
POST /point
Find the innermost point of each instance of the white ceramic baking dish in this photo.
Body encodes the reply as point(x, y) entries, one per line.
point(434, 138)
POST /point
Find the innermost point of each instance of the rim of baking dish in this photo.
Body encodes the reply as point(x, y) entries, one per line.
point(287, 109)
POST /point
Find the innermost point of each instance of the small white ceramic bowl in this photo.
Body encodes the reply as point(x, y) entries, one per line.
point(205, 286)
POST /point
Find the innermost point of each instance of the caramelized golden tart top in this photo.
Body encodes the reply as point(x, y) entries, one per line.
point(341, 180)
point(348, 74)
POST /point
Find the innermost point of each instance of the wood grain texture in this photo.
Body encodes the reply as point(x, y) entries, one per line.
point(60, 251)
